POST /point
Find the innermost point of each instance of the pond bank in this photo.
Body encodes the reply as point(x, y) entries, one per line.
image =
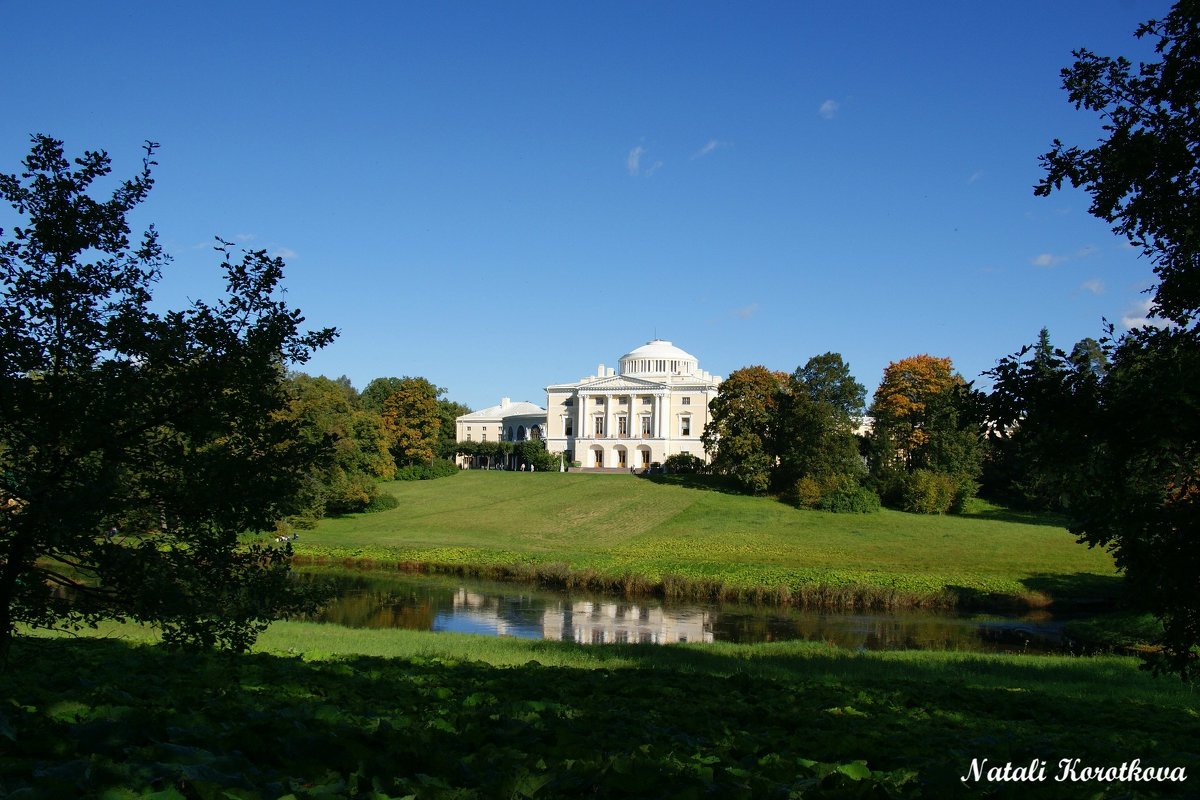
point(883, 592)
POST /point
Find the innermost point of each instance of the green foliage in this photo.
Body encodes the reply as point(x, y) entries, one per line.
point(351, 439)
point(136, 445)
point(927, 421)
point(841, 494)
point(1136, 489)
point(412, 419)
point(437, 468)
point(819, 410)
point(928, 492)
point(1037, 396)
point(683, 464)
point(1142, 174)
point(448, 412)
point(741, 433)
point(533, 453)
point(462, 716)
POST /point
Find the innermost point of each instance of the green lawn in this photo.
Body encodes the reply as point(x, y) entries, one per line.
point(393, 714)
point(609, 526)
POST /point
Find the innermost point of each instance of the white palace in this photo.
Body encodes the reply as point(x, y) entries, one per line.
point(655, 405)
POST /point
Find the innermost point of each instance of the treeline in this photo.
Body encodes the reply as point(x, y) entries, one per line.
point(396, 428)
point(928, 442)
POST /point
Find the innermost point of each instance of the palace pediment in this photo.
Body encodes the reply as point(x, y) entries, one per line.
point(620, 383)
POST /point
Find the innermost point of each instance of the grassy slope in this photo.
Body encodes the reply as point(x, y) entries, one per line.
point(617, 524)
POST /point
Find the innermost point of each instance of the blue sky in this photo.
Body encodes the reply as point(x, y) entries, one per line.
point(498, 196)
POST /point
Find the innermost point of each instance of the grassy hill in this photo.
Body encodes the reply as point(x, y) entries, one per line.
point(622, 532)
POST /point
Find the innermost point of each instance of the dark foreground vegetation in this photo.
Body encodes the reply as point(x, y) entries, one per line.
point(96, 717)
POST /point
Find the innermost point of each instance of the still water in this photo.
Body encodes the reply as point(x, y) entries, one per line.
point(386, 599)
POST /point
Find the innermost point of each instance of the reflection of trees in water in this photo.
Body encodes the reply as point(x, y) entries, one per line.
point(373, 609)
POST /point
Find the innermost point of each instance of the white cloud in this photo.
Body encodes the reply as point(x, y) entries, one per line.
point(634, 159)
point(1139, 317)
point(245, 237)
point(975, 176)
point(1095, 286)
point(709, 148)
point(1047, 260)
point(283, 252)
point(829, 109)
point(746, 312)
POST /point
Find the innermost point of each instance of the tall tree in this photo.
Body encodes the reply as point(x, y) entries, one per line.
point(924, 424)
point(820, 410)
point(448, 412)
point(1039, 397)
point(136, 446)
point(1143, 175)
point(413, 420)
point(352, 440)
point(1137, 490)
point(741, 432)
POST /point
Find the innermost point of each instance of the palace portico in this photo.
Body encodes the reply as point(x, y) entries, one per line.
point(654, 407)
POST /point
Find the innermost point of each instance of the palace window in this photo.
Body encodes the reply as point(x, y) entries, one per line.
point(685, 426)
point(686, 401)
point(599, 426)
point(570, 427)
point(645, 426)
point(623, 426)
point(647, 401)
point(570, 401)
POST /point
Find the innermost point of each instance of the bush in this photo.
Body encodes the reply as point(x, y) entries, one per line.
point(438, 468)
point(928, 492)
point(841, 494)
point(807, 493)
point(382, 501)
point(683, 464)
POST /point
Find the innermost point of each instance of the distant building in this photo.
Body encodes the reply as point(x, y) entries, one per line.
point(655, 405)
point(509, 422)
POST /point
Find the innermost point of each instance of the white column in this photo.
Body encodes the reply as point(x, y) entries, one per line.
point(658, 415)
point(581, 429)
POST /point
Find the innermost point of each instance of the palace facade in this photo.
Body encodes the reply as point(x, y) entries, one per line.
point(654, 405)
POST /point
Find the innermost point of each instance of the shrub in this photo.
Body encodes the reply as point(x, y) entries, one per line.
point(806, 493)
point(929, 492)
point(683, 464)
point(841, 494)
point(382, 501)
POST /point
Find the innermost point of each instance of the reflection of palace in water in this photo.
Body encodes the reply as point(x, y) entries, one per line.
point(591, 622)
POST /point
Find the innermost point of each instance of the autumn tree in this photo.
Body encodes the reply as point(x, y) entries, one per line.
point(1136, 490)
point(136, 445)
point(925, 444)
point(741, 435)
point(413, 420)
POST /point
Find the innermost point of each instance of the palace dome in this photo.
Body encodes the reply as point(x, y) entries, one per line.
point(658, 357)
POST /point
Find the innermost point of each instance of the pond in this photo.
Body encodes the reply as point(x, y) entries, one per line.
point(387, 599)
